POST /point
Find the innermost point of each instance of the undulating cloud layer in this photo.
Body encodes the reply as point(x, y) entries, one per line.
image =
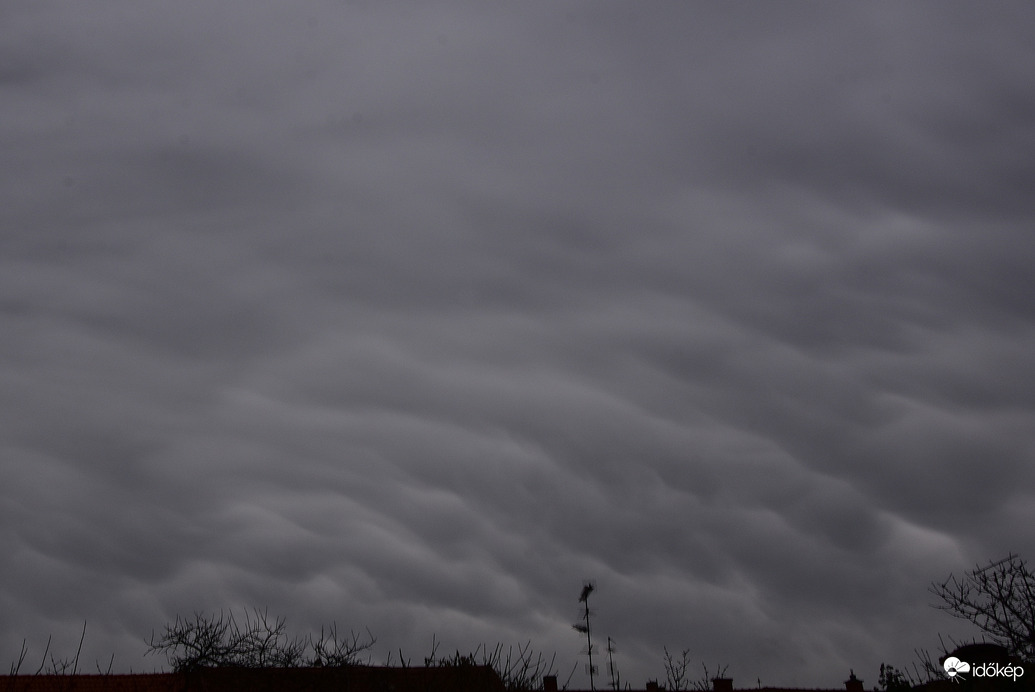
point(415, 317)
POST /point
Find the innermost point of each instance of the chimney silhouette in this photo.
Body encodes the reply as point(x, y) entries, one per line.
point(724, 684)
point(853, 684)
point(549, 683)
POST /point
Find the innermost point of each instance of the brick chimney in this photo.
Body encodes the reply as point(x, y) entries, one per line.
point(549, 683)
point(724, 684)
point(853, 684)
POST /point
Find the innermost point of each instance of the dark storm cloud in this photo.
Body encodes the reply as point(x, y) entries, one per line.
point(415, 318)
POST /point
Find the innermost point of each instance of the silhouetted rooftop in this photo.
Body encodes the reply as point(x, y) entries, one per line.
point(348, 679)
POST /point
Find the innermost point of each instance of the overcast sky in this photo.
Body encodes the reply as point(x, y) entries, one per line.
point(413, 317)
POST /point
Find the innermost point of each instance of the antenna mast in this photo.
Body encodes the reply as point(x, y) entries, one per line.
point(587, 589)
point(611, 664)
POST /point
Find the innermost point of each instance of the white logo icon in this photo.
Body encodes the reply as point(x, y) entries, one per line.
point(953, 666)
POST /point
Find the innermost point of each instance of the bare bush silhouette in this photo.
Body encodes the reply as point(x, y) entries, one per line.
point(999, 598)
point(926, 668)
point(260, 642)
point(892, 679)
point(676, 679)
point(705, 682)
point(49, 665)
point(521, 670)
point(337, 651)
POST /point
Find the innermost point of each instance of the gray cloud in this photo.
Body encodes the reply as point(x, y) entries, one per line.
point(414, 319)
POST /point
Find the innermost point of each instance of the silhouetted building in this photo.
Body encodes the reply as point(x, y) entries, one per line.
point(852, 684)
point(347, 679)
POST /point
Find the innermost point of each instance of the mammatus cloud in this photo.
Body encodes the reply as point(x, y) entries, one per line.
point(414, 320)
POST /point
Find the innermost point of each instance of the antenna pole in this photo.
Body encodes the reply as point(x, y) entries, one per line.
point(589, 644)
point(587, 589)
point(611, 663)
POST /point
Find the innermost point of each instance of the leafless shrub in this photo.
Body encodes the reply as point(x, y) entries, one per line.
point(338, 651)
point(704, 683)
point(521, 670)
point(676, 679)
point(17, 665)
point(201, 642)
point(999, 598)
point(927, 668)
point(892, 679)
point(49, 665)
point(260, 642)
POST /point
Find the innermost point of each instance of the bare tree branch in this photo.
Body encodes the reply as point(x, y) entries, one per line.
point(676, 679)
point(521, 670)
point(704, 683)
point(259, 642)
point(999, 598)
point(17, 665)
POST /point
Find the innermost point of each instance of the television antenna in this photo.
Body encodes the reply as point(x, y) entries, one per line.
point(611, 664)
point(583, 627)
